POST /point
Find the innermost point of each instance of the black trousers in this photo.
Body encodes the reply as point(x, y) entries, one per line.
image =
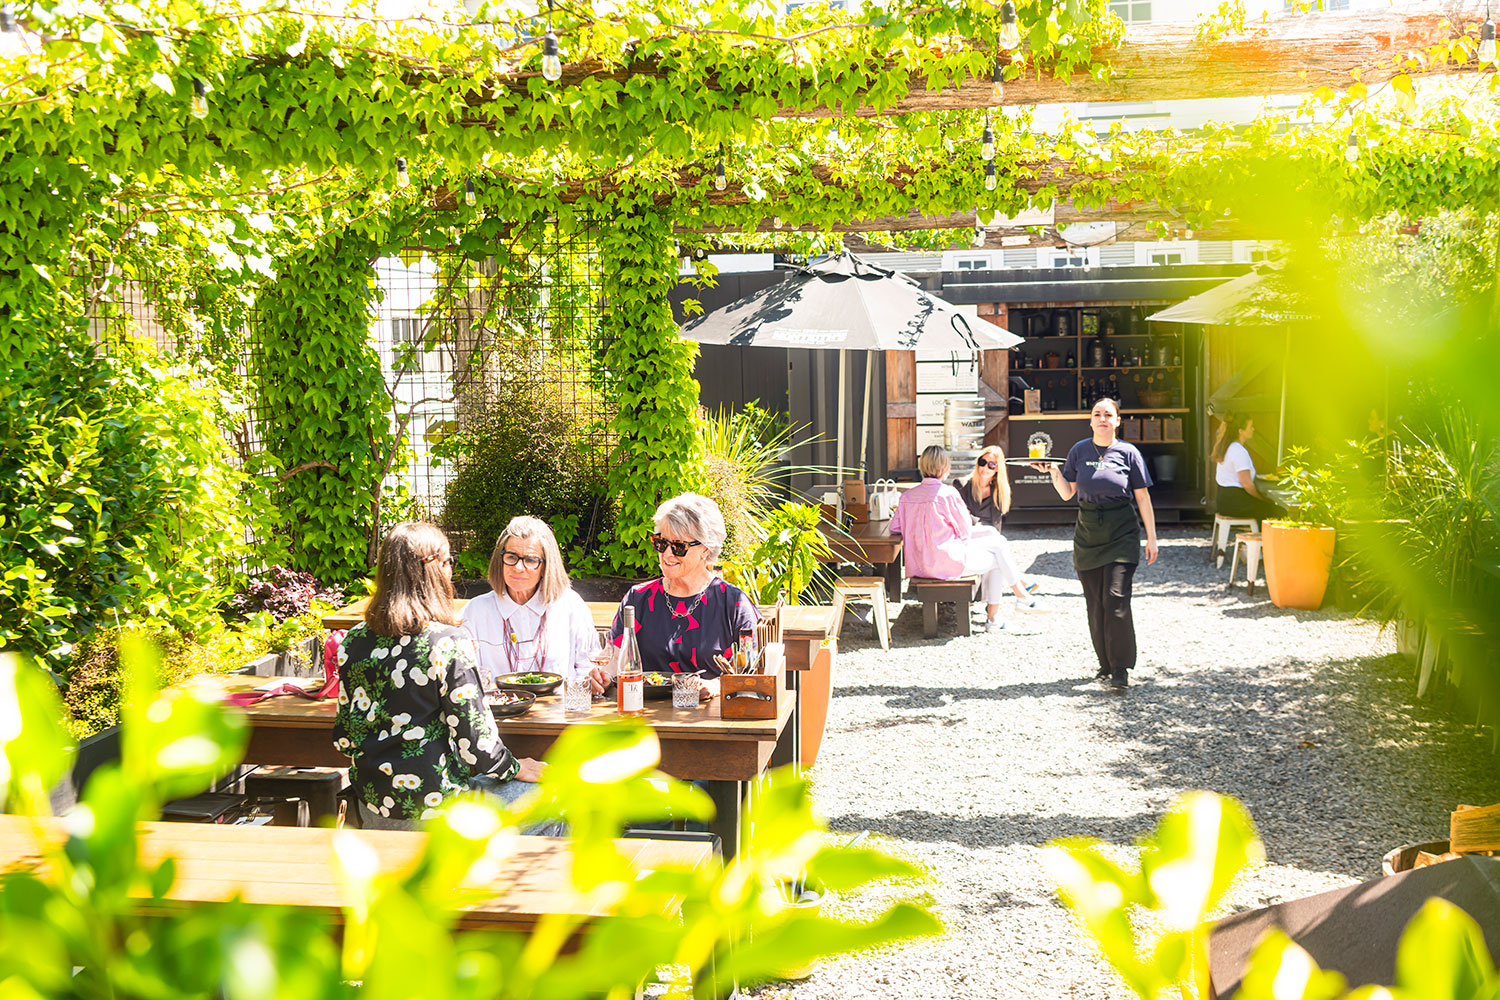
point(1235, 501)
point(1106, 592)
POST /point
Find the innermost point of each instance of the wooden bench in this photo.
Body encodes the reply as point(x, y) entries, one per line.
point(932, 592)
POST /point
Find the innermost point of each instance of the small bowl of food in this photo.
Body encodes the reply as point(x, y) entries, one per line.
point(504, 704)
point(536, 683)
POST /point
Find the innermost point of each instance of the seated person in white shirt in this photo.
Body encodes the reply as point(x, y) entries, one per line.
point(1235, 472)
point(533, 620)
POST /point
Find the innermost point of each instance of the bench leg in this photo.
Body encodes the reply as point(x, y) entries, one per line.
point(965, 619)
point(929, 619)
point(882, 621)
point(838, 613)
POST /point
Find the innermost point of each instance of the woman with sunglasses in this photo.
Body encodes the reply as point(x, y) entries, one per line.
point(533, 620)
point(689, 615)
point(938, 541)
point(987, 495)
point(411, 713)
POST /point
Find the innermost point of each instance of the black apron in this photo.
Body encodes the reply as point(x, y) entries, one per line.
point(1106, 533)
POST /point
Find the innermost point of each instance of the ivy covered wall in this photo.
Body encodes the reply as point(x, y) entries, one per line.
point(326, 430)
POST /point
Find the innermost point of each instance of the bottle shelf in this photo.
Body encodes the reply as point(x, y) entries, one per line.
point(1127, 368)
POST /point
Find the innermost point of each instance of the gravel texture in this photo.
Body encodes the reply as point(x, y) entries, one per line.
point(967, 754)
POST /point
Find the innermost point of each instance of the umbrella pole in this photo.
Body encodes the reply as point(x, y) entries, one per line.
point(1286, 364)
point(843, 401)
point(864, 430)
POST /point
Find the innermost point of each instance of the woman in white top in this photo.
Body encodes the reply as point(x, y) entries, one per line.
point(1235, 472)
point(533, 620)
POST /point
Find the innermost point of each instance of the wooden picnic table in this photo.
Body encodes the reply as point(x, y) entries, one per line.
point(696, 744)
point(293, 866)
point(869, 543)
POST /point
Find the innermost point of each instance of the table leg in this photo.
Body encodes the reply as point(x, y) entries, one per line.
point(725, 825)
point(892, 574)
point(789, 747)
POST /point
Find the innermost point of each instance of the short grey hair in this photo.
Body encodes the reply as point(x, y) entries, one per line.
point(934, 462)
point(694, 517)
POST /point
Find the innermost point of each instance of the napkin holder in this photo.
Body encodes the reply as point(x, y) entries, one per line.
point(756, 696)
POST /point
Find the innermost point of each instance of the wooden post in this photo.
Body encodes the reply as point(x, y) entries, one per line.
point(901, 409)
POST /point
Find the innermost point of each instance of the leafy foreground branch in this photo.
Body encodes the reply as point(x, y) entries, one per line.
point(1202, 844)
point(83, 911)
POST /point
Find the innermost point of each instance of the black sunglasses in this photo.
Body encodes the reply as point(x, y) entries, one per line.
point(989, 463)
point(679, 549)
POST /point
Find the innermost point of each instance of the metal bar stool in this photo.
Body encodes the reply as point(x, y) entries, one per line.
point(1224, 528)
point(863, 588)
point(1249, 541)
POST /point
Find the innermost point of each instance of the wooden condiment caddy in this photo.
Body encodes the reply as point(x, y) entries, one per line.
point(756, 696)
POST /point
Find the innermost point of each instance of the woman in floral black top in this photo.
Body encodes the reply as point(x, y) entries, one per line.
point(411, 709)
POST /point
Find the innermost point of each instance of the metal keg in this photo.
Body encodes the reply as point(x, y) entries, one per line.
point(963, 428)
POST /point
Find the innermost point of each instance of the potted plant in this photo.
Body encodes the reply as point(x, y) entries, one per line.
point(1298, 549)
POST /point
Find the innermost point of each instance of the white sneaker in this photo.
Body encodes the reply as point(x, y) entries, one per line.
point(1033, 604)
point(997, 626)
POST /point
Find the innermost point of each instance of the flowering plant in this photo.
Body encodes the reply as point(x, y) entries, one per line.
point(282, 593)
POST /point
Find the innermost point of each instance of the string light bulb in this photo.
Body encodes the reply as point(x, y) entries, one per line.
point(402, 180)
point(720, 180)
point(551, 64)
point(469, 192)
point(981, 236)
point(998, 81)
point(200, 99)
point(1010, 31)
point(775, 222)
point(989, 176)
point(987, 143)
point(1351, 150)
point(1487, 38)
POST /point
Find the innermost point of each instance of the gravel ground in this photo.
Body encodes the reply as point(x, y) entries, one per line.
point(967, 754)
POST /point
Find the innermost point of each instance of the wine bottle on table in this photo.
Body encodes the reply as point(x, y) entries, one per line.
point(630, 682)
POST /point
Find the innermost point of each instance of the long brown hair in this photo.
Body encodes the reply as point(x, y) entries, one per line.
point(1229, 433)
point(413, 581)
point(999, 486)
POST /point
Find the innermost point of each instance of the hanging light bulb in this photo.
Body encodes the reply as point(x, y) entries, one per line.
point(980, 234)
point(989, 177)
point(1351, 151)
point(998, 93)
point(1010, 31)
point(720, 181)
point(469, 192)
point(1487, 39)
point(551, 64)
point(987, 143)
point(200, 99)
point(775, 222)
point(401, 179)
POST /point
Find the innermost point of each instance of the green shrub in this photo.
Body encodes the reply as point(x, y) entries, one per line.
point(118, 497)
point(532, 458)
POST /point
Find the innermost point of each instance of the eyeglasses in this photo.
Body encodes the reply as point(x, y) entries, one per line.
point(679, 549)
point(515, 558)
point(445, 560)
point(989, 463)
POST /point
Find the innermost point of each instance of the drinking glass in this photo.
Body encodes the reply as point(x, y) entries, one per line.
point(604, 654)
point(684, 690)
point(578, 695)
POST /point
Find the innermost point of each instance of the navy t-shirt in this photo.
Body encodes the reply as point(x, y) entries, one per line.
point(1108, 477)
point(682, 634)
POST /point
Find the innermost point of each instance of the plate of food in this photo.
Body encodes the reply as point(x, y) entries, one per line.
point(504, 704)
point(658, 685)
point(536, 682)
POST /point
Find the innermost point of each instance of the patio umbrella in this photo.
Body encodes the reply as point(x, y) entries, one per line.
point(845, 303)
point(1249, 300)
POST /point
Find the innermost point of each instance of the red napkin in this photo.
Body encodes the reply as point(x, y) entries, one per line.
point(330, 679)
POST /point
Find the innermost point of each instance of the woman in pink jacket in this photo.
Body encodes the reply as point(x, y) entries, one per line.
point(934, 524)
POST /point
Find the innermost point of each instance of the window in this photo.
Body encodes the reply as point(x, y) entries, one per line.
point(412, 331)
point(973, 263)
point(1166, 257)
point(1258, 254)
point(1074, 258)
point(1134, 11)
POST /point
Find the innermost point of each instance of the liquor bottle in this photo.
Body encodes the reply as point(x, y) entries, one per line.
point(1072, 361)
point(630, 682)
point(1113, 358)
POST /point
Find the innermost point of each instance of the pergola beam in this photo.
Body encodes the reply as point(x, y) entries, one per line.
point(1289, 54)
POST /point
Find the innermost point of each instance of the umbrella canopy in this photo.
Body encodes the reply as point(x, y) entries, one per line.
point(845, 303)
point(1254, 299)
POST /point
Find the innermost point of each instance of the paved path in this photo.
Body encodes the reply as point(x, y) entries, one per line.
point(967, 754)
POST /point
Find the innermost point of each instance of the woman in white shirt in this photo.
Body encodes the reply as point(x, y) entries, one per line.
point(1235, 472)
point(533, 620)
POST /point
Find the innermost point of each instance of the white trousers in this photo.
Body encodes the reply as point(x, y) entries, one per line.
point(988, 556)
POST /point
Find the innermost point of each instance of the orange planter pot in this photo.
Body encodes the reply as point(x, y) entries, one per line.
point(815, 690)
point(1298, 558)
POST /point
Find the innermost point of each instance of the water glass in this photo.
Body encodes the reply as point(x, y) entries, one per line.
point(578, 695)
point(685, 690)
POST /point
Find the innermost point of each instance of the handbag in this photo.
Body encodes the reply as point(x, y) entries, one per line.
point(883, 499)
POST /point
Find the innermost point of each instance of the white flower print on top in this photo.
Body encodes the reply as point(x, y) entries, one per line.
point(386, 768)
point(466, 692)
point(414, 733)
point(361, 700)
point(406, 781)
point(433, 799)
